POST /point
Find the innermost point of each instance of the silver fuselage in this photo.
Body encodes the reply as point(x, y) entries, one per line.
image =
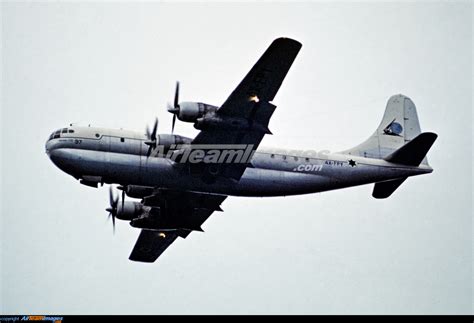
point(119, 156)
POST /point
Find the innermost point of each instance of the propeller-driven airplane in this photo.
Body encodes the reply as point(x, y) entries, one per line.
point(181, 181)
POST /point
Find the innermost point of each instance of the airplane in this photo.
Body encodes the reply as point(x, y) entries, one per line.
point(181, 181)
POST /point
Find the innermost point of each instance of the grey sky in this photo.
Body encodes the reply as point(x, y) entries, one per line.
point(115, 65)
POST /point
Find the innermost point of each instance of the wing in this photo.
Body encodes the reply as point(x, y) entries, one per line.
point(264, 79)
point(151, 244)
point(249, 104)
point(173, 214)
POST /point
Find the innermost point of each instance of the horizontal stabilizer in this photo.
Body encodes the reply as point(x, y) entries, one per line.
point(413, 152)
point(383, 190)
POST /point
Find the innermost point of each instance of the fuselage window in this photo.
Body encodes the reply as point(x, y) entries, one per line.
point(307, 159)
point(296, 158)
point(64, 130)
point(97, 135)
point(284, 157)
point(122, 139)
point(272, 155)
point(71, 131)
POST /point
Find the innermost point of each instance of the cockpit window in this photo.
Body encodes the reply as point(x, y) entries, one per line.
point(57, 133)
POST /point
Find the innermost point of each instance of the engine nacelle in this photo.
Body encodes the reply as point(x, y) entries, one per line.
point(168, 141)
point(137, 191)
point(191, 111)
point(165, 143)
point(129, 211)
point(258, 122)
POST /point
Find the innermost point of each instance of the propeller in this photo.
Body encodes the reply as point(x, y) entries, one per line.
point(112, 209)
point(151, 138)
point(175, 108)
point(123, 189)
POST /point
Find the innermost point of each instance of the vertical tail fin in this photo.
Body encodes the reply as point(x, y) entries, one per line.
point(399, 125)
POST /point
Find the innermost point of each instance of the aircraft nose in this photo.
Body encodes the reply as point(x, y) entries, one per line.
point(55, 158)
point(53, 153)
point(59, 158)
point(49, 147)
point(46, 147)
point(63, 158)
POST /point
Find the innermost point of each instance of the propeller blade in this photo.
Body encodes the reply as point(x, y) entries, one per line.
point(176, 96)
point(123, 198)
point(174, 121)
point(113, 222)
point(170, 108)
point(111, 197)
point(112, 209)
point(151, 142)
point(147, 132)
point(155, 128)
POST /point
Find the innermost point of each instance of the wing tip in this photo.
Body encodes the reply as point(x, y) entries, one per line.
point(288, 42)
point(147, 261)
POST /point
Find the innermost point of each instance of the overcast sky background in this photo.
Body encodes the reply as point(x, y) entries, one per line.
point(116, 64)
